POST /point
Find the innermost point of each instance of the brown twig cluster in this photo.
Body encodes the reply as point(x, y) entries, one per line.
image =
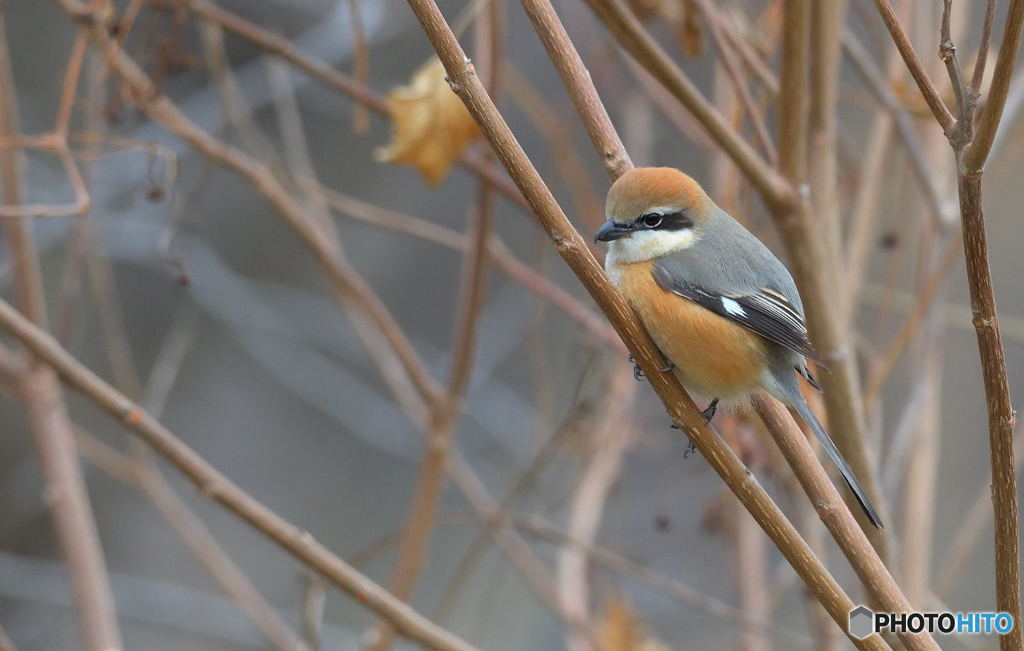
point(797, 175)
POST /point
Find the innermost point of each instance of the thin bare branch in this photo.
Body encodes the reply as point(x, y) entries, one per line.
point(360, 64)
point(632, 36)
point(731, 65)
point(992, 113)
point(924, 82)
point(333, 78)
point(569, 244)
point(346, 280)
point(982, 59)
point(444, 419)
point(218, 488)
point(910, 326)
point(971, 155)
point(46, 411)
point(576, 78)
point(837, 519)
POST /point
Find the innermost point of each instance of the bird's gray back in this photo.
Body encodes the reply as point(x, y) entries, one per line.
point(729, 260)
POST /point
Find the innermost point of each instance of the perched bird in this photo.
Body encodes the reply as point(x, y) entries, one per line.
point(721, 307)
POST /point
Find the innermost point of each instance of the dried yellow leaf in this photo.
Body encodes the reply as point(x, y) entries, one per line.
point(621, 630)
point(430, 125)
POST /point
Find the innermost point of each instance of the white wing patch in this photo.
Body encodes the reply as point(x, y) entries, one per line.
point(732, 307)
point(779, 307)
point(766, 312)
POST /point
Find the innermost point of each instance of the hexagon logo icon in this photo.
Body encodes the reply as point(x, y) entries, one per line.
point(861, 619)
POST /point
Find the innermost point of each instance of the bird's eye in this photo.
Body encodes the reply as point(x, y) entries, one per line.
point(652, 220)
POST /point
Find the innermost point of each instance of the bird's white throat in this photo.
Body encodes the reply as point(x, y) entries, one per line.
point(646, 245)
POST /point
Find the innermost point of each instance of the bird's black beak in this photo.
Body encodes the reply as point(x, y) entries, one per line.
point(611, 231)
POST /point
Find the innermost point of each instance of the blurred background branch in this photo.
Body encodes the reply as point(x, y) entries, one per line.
point(194, 189)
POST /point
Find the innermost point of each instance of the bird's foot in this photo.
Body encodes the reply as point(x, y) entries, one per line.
point(690, 450)
point(709, 413)
point(638, 373)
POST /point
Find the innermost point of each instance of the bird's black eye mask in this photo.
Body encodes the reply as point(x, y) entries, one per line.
point(659, 221)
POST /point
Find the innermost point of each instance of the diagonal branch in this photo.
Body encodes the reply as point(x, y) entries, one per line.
point(570, 67)
point(992, 113)
point(574, 251)
point(345, 279)
point(917, 71)
point(632, 36)
point(444, 419)
point(218, 488)
point(46, 410)
point(329, 76)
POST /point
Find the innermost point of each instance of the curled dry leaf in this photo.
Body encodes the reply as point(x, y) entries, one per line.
point(622, 630)
point(430, 125)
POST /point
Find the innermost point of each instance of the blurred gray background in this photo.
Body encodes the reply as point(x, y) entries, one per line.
point(276, 391)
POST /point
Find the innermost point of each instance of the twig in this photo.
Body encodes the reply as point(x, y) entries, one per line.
point(909, 137)
point(632, 36)
point(793, 92)
point(925, 299)
point(924, 82)
point(824, 55)
point(506, 510)
point(344, 278)
point(679, 592)
point(986, 37)
point(569, 244)
point(816, 271)
point(750, 554)
point(731, 65)
point(298, 171)
point(46, 411)
point(499, 252)
point(750, 57)
point(534, 572)
point(445, 416)
point(1001, 415)
point(988, 122)
point(837, 519)
point(921, 471)
point(575, 77)
point(609, 441)
point(971, 156)
point(325, 74)
point(218, 488)
point(558, 136)
point(360, 64)
point(963, 132)
point(314, 598)
point(865, 214)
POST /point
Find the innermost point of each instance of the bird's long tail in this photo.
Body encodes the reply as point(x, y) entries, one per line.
point(808, 416)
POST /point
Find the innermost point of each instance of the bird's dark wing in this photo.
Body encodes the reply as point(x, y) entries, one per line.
point(765, 312)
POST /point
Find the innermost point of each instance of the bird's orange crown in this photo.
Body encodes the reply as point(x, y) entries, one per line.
point(643, 188)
